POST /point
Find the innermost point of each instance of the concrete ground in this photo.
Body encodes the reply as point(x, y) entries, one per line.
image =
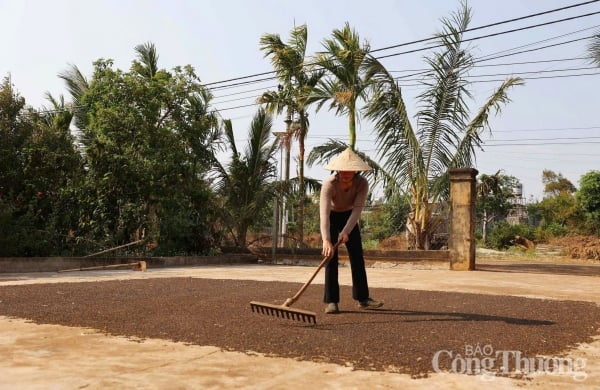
point(57, 357)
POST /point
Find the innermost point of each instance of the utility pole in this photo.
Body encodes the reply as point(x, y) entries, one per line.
point(283, 216)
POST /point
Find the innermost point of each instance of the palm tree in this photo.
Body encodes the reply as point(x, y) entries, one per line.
point(594, 49)
point(147, 62)
point(77, 85)
point(246, 183)
point(345, 59)
point(417, 159)
point(297, 81)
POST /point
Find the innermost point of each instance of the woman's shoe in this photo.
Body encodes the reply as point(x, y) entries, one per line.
point(332, 308)
point(370, 304)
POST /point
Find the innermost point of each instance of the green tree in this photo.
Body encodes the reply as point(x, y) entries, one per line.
point(245, 183)
point(297, 81)
point(417, 159)
point(149, 137)
point(15, 213)
point(77, 84)
point(38, 164)
point(558, 209)
point(345, 59)
point(15, 130)
point(54, 166)
point(493, 198)
point(588, 198)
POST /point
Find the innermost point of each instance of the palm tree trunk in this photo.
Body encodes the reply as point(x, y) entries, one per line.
point(352, 125)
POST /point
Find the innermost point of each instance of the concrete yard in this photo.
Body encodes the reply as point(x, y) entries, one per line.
point(48, 356)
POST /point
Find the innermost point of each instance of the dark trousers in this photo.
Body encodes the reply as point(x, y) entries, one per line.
point(360, 287)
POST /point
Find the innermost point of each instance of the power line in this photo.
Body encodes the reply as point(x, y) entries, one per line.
point(504, 64)
point(423, 72)
point(544, 144)
point(495, 34)
point(541, 139)
point(597, 73)
point(484, 58)
point(431, 38)
point(491, 25)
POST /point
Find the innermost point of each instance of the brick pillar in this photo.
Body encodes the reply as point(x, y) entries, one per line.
point(462, 219)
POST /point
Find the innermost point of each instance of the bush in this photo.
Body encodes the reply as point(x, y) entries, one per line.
point(554, 230)
point(503, 234)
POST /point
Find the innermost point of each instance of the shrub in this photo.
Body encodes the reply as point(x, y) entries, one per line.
point(503, 235)
point(553, 230)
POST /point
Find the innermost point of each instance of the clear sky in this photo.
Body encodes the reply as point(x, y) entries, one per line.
point(553, 122)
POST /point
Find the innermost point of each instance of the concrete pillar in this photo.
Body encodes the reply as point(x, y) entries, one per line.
point(461, 242)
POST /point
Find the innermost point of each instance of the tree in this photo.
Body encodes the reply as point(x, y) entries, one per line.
point(38, 165)
point(245, 184)
point(297, 81)
point(555, 183)
point(558, 209)
point(588, 198)
point(149, 139)
point(493, 198)
point(345, 59)
point(77, 84)
point(15, 133)
point(54, 166)
point(417, 159)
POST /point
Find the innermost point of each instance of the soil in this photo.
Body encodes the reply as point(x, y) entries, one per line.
point(401, 337)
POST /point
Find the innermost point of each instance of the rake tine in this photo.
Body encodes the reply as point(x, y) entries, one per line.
point(283, 311)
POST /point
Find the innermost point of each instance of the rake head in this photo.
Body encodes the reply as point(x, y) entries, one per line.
point(282, 311)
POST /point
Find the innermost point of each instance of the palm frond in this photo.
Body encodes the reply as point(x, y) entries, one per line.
point(148, 58)
point(594, 49)
point(323, 153)
point(230, 137)
point(77, 83)
point(465, 151)
point(444, 113)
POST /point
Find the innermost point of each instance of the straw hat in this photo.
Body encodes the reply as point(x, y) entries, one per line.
point(347, 161)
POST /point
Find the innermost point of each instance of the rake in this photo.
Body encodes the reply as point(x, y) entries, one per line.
point(287, 312)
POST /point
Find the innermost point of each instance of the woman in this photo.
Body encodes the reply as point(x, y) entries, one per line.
point(343, 197)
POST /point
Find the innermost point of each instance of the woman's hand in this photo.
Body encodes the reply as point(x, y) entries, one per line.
point(343, 237)
point(327, 248)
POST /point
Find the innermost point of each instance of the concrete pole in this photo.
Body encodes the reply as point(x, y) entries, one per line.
point(285, 207)
point(462, 219)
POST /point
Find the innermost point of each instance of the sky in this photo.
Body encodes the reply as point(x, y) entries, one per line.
point(552, 122)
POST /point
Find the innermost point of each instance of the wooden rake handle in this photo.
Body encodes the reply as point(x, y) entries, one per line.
point(325, 260)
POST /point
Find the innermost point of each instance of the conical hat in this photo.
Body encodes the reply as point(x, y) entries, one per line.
point(347, 161)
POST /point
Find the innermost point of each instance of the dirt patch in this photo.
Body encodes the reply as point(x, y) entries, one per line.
point(404, 336)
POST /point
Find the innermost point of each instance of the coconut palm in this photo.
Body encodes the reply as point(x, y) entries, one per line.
point(147, 63)
point(297, 80)
point(246, 183)
point(77, 85)
point(345, 59)
point(417, 158)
